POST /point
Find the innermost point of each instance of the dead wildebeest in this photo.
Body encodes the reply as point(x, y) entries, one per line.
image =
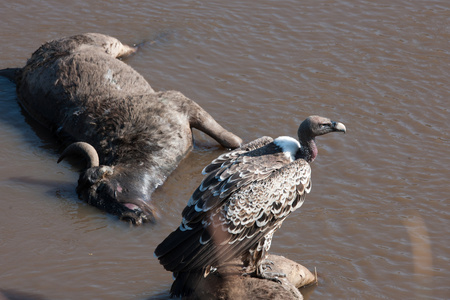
point(131, 136)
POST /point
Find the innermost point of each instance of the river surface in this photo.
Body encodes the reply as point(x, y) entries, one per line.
point(377, 222)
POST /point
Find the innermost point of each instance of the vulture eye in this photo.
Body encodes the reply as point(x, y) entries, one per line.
point(322, 126)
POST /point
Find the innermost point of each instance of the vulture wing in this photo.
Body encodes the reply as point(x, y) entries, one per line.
point(246, 193)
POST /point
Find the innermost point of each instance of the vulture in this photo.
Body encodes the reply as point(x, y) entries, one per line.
point(244, 198)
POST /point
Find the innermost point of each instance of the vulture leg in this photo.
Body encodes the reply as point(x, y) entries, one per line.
point(262, 272)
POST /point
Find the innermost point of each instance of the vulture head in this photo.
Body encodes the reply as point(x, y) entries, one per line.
point(310, 128)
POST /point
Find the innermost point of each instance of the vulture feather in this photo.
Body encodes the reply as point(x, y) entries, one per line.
point(244, 198)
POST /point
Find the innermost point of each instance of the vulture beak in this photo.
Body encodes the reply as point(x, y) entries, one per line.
point(339, 127)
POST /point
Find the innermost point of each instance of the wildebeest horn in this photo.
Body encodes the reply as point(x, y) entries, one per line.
point(83, 149)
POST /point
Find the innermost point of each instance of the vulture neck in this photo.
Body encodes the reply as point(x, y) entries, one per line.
point(308, 149)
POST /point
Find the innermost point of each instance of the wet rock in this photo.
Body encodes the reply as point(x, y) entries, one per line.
point(228, 283)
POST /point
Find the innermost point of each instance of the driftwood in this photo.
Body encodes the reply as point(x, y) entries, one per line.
point(228, 283)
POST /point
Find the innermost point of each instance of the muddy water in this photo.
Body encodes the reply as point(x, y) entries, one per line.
point(376, 225)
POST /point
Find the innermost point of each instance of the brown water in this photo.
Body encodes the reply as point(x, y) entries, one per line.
point(376, 225)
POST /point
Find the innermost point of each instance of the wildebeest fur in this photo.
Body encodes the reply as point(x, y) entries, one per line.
point(77, 87)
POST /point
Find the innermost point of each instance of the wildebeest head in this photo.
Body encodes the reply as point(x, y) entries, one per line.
point(119, 190)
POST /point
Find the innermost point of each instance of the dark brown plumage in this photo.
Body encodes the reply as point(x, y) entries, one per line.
point(244, 198)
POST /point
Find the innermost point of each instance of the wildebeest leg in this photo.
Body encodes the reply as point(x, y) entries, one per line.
point(111, 46)
point(203, 121)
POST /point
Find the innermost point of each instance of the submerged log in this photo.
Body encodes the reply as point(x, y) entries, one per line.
point(228, 283)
